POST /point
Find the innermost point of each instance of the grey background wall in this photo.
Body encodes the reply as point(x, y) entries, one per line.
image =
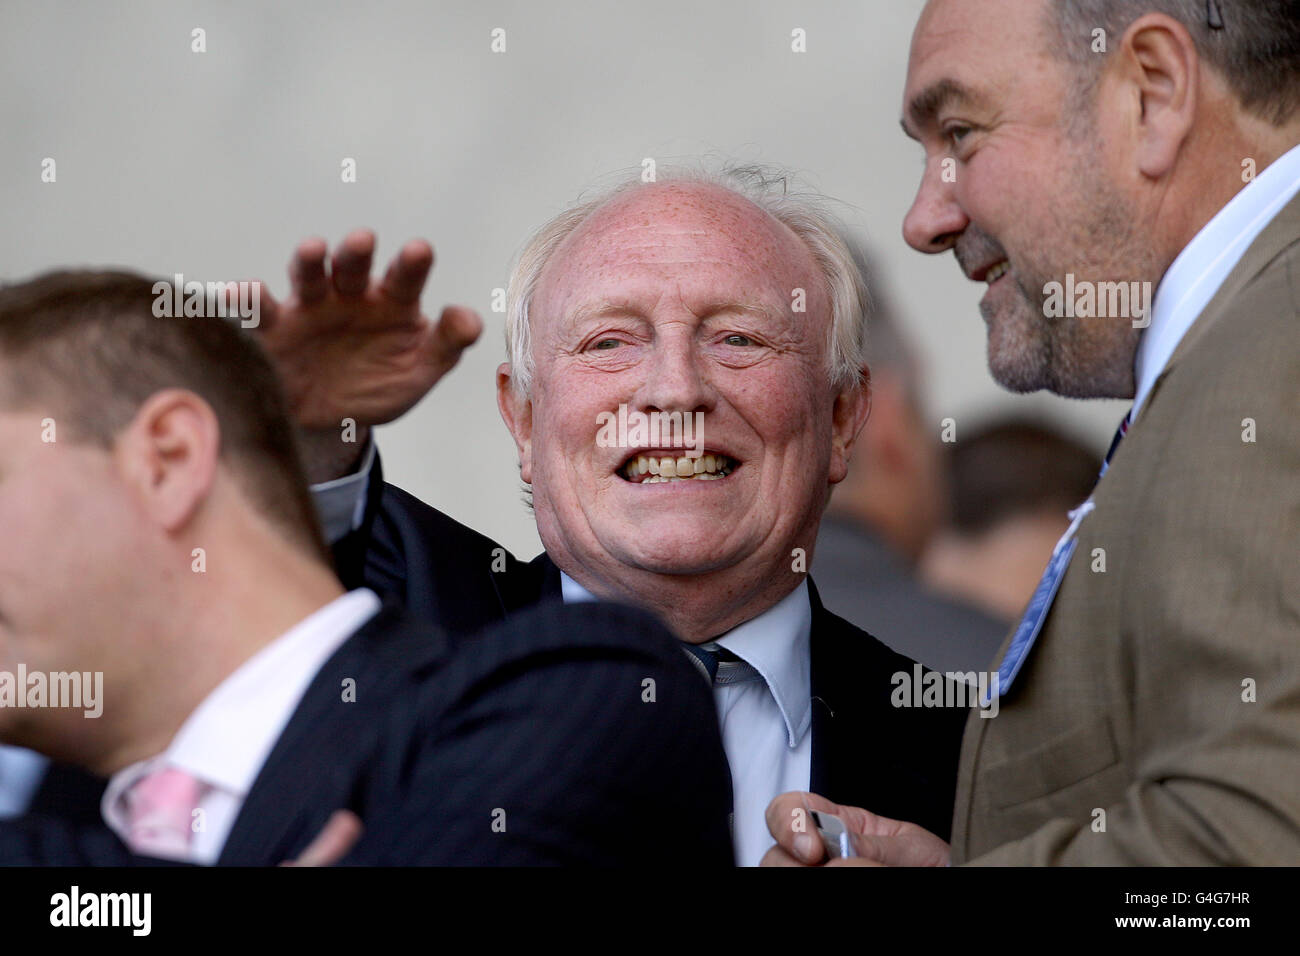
point(214, 164)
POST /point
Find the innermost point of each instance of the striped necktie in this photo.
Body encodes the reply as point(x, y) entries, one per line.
point(719, 665)
point(1114, 442)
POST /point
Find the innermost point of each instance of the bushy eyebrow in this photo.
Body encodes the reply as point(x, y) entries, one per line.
point(606, 309)
point(928, 103)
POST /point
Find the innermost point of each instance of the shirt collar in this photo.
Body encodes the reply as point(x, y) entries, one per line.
point(228, 737)
point(1203, 265)
point(777, 644)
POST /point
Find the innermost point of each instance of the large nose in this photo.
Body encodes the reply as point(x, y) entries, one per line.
point(935, 220)
point(675, 375)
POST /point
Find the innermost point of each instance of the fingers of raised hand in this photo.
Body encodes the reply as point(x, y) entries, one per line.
point(458, 328)
point(407, 273)
point(350, 266)
point(307, 271)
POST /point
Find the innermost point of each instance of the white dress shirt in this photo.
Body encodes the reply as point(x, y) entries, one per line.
point(228, 737)
point(1205, 262)
point(766, 725)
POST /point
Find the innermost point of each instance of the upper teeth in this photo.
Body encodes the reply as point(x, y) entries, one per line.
point(704, 468)
point(997, 272)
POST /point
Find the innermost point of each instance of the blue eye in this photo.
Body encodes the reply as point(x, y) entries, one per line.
point(607, 344)
point(737, 339)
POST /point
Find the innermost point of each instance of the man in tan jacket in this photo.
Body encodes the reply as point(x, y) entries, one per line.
point(1080, 156)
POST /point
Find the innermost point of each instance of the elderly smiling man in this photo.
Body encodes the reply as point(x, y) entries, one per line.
point(721, 294)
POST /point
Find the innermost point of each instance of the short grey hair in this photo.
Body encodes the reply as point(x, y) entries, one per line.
point(774, 191)
point(1254, 44)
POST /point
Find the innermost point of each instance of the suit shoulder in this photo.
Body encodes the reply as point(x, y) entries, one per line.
point(584, 631)
point(549, 717)
point(434, 524)
point(396, 644)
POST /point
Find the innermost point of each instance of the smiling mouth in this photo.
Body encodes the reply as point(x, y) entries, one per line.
point(996, 272)
point(663, 469)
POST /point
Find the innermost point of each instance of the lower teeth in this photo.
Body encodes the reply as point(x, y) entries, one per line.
point(655, 479)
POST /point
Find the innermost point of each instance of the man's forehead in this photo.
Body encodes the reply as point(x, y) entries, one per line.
point(964, 51)
point(691, 238)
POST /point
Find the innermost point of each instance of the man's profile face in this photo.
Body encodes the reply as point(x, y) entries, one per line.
point(681, 298)
point(1022, 190)
point(65, 564)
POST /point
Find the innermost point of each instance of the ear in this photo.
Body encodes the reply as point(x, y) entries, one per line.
point(1160, 69)
point(517, 413)
point(852, 406)
point(167, 456)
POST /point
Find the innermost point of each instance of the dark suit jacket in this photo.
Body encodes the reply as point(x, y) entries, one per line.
point(69, 793)
point(897, 762)
point(540, 742)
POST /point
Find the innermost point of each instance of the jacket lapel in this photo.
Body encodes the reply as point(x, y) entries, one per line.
point(899, 762)
point(829, 702)
point(1282, 232)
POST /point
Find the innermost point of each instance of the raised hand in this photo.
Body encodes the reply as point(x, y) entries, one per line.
point(350, 347)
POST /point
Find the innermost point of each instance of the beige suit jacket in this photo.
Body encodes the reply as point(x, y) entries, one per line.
point(1157, 719)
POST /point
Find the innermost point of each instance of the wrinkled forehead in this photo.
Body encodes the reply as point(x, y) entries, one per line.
point(986, 52)
point(698, 245)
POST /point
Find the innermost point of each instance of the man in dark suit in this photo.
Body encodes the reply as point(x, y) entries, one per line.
point(199, 652)
point(852, 678)
point(719, 301)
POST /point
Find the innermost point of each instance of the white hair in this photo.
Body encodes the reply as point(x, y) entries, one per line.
point(805, 213)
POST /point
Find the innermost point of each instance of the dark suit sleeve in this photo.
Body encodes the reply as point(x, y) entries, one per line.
point(440, 571)
point(69, 793)
point(36, 840)
point(570, 735)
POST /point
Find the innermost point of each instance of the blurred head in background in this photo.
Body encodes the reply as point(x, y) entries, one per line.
point(1012, 483)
